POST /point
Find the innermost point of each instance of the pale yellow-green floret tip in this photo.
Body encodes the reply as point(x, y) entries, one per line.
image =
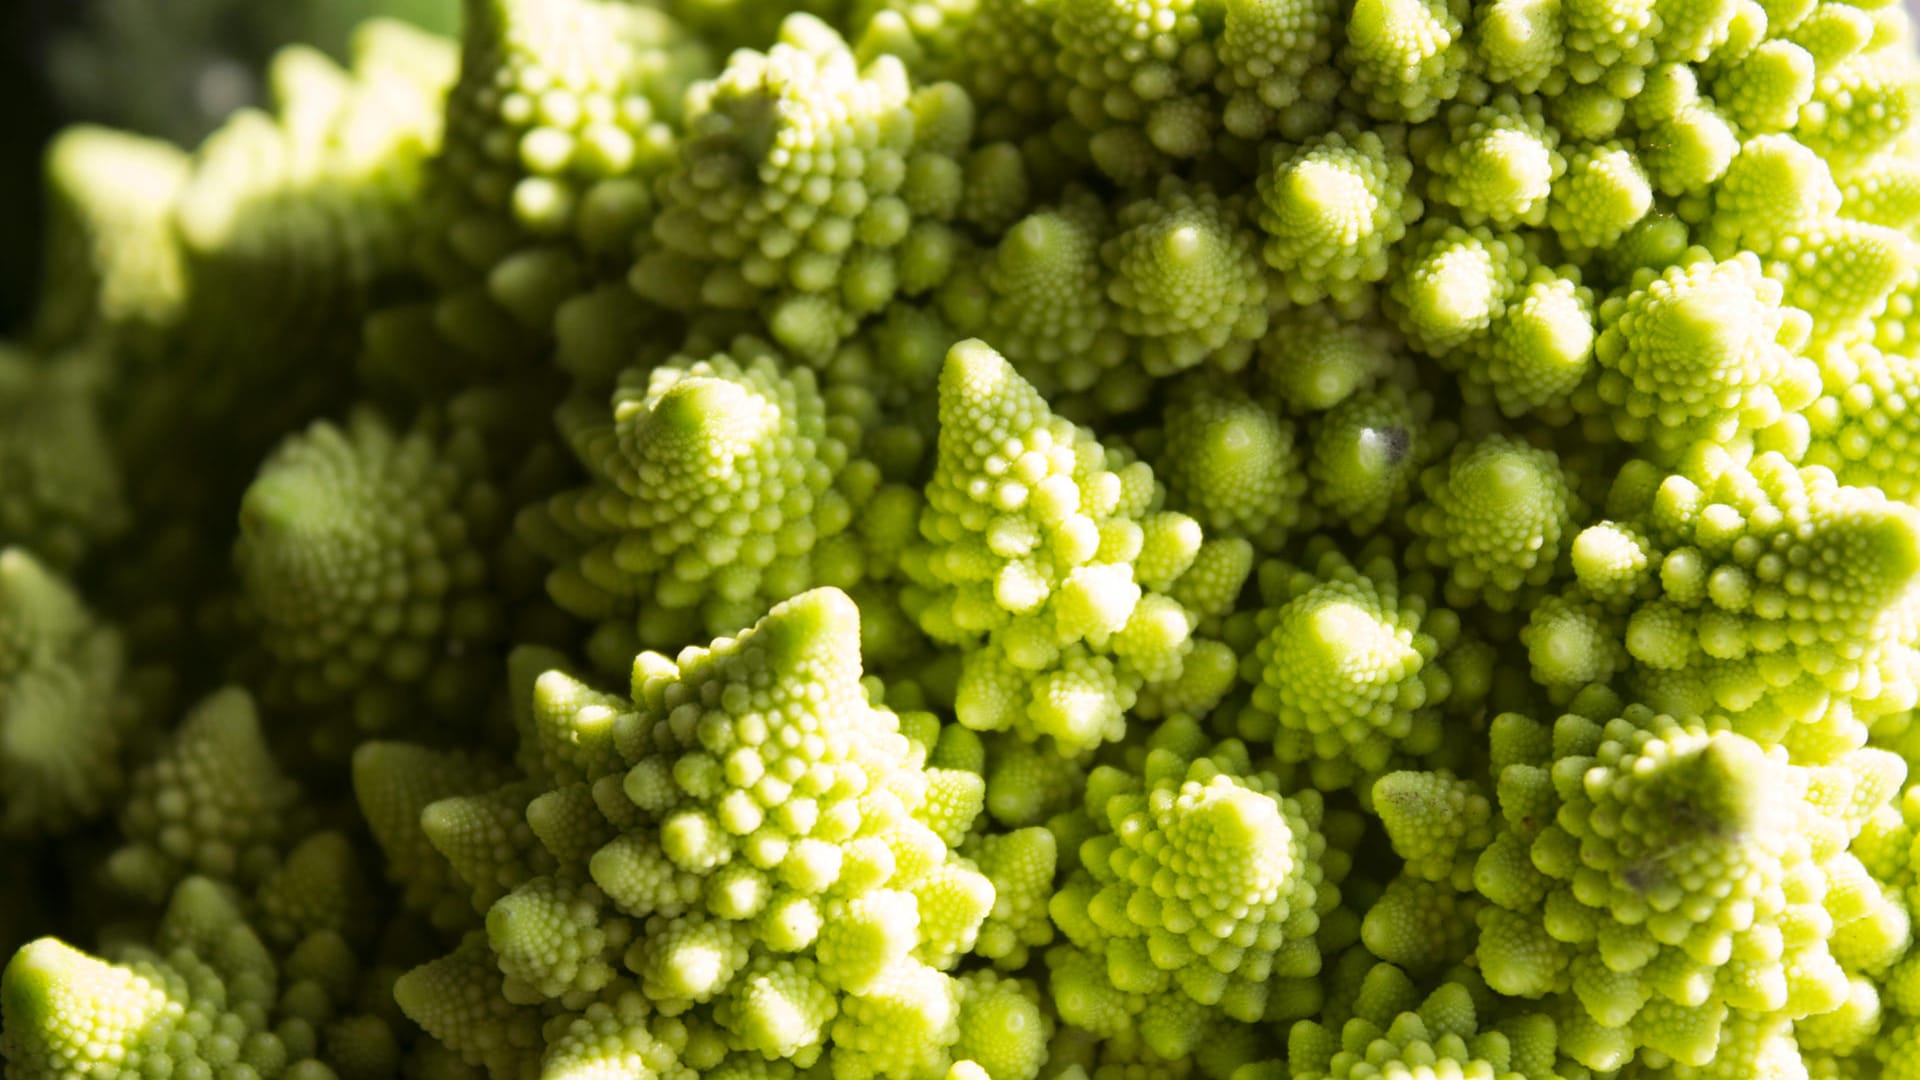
point(1332, 209)
point(1044, 553)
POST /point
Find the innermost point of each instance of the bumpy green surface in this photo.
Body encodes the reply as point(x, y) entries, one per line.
point(979, 540)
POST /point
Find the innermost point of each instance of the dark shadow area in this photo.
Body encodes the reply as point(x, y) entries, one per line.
point(26, 28)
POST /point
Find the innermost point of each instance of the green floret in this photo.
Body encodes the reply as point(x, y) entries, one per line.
point(1861, 103)
point(1021, 865)
point(762, 850)
point(721, 484)
point(459, 1001)
point(1045, 557)
point(393, 783)
point(1522, 43)
point(1884, 189)
point(1843, 273)
point(1393, 1033)
point(1138, 74)
point(1704, 350)
point(562, 114)
point(67, 711)
point(1437, 822)
point(1493, 163)
point(1572, 644)
point(367, 558)
point(1345, 671)
point(1687, 142)
point(1314, 360)
point(1454, 283)
point(292, 223)
point(1767, 87)
point(203, 997)
point(1029, 784)
point(1367, 453)
point(1685, 874)
point(1604, 193)
point(1232, 463)
point(812, 183)
point(1004, 55)
point(1776, 188)
point(1004, 1029)
point(1273, 64)
point(1332, 208)
point(63, 492)
point(1202, 885)
point(1040, 296)
point(213, 801)
point(1866, 426)
point(1186, 279)
point(1541, 348)
point(1405, 57)
point(1496, 517)
point(1739, 549)
point(1424, 926)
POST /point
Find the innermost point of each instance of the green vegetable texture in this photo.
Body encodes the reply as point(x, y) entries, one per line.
point(978, 540)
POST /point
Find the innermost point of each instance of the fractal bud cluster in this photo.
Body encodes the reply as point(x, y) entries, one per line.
point(980, 540)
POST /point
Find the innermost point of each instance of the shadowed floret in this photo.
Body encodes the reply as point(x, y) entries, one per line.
point(1367, 452)
point(721, 484)
point(212, 802)
point(63, 493)
point(1042, 298)
point(1232, 463)
point(1273, 57)
point(67, 708)
point(1186, 279)
point(811, 182)
point(367, 557)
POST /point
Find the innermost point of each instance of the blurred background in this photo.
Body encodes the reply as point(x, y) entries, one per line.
point(170, 68)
